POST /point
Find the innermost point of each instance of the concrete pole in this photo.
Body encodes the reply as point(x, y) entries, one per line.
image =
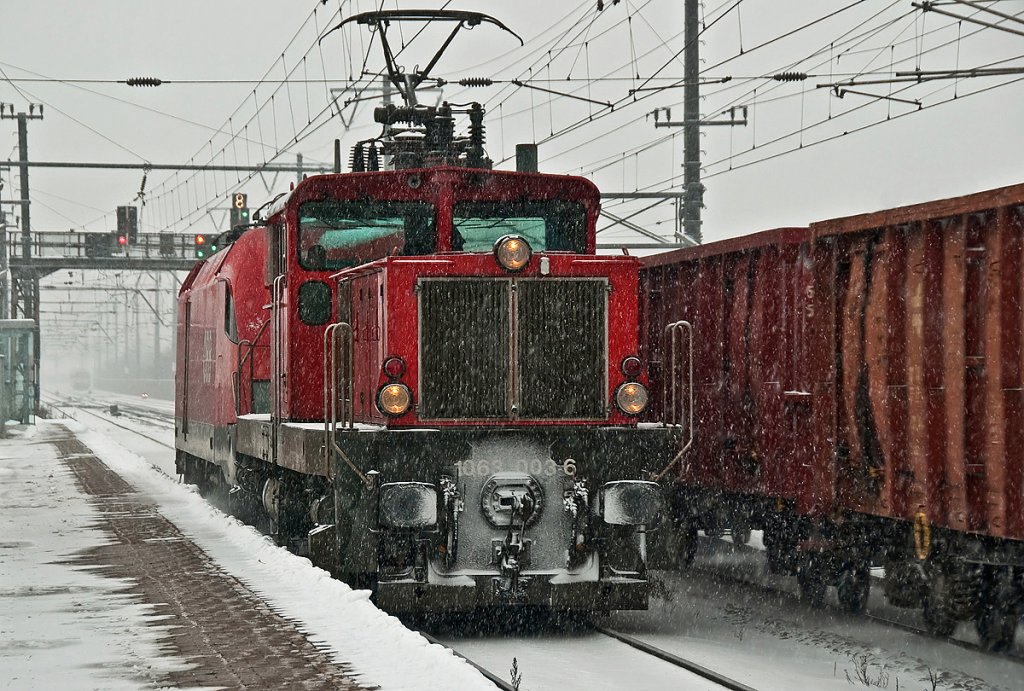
point(156, 325)
point(5, 276)
point(692, 187)
point(137, 318)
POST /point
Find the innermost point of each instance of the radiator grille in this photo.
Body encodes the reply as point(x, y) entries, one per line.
point(464, 346)
point(467, 348)
point(561, 348)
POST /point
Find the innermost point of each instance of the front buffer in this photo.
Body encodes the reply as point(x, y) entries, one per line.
point(459, 520)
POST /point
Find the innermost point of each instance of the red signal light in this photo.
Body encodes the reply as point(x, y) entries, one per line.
point(122, 240)
point(200, 239)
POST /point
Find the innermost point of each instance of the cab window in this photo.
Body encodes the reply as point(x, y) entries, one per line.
point(336, 234)
point(230, 321)
point(553, 225)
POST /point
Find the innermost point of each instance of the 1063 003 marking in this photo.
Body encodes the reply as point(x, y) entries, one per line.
point(531, 466)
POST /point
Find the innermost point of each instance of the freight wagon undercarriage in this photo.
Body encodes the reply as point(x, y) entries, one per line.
point(952, 576)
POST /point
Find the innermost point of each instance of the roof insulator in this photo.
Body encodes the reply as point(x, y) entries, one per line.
point(476, 81)
point(143, 81)
point(790, 76)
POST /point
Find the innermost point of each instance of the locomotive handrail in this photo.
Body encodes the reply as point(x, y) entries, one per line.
point(672, 407)
point(332, 383)
point(276, 364)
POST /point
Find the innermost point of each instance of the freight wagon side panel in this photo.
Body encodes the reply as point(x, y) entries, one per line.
point(928, 408)
point(749, 301)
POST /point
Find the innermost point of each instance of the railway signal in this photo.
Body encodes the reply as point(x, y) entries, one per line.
point(239, 209)
point(128, 224)
point(201, 246)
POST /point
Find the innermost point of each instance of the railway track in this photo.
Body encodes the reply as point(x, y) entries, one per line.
point(607, 658)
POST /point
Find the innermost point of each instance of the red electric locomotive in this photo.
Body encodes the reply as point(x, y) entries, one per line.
point(427, 376)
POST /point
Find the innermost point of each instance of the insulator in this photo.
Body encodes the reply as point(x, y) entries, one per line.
point(143, 81)
point(358, 161)
point(476, 81)
point(374, 157)
point(476, 135)
point(790, 76)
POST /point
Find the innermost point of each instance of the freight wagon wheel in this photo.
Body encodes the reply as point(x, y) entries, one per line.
point(779, 551)
point(937, 612)
point(996, 620)
point(853, 588)
point(811, 578)
point(997, 627)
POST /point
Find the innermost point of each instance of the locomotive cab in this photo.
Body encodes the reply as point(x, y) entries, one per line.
point(476, 393)
point(450, 385)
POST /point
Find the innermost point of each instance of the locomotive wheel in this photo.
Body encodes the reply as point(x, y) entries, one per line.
point(937, 613)
point(853, 588)
point(714, 532)
point(812, 583)
point(779, 551)
point(683, 549)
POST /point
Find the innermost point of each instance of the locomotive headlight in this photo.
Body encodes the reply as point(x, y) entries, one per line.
point(394, 399)
point(512, 252)
point(631, 502)
point(631, 398)
point(408, 505)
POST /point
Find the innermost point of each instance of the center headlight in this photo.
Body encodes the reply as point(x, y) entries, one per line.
point(408, 505)
point(512, 252)
point(631, 398)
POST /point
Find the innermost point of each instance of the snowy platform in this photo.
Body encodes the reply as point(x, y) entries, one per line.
point(113, 575)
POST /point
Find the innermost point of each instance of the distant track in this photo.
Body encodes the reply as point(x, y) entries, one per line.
point(63, 410)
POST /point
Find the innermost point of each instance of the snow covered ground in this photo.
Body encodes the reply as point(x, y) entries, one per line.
point(63, 627)
point(765, 641)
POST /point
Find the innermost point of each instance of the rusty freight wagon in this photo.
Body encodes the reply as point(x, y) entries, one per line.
point(860, 398)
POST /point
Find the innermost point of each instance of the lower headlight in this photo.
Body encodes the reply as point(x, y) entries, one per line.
point(631, 398)
point(394, 399)
point(408, 505)
point(631, 502)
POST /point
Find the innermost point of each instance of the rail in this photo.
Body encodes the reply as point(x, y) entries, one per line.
point(689, 665)
point(338, 389)
point(678, 395)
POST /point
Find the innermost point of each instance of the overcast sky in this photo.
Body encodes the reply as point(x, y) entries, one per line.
point(949, 147)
